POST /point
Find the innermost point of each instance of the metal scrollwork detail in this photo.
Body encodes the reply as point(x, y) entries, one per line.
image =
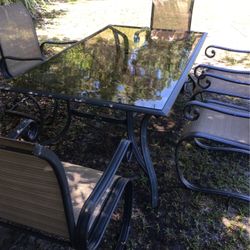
point(189, 86)
point(191, 113)
point(200, 70)
point(209, 52)
point(203, 84)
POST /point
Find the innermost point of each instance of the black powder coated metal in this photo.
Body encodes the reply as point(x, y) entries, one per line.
point(204, 71)
point(132, 69)
point(211, 50)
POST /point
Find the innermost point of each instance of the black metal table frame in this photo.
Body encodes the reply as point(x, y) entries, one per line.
point(141, 152)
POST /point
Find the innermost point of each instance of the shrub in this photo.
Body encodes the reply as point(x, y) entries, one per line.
point(31, 5)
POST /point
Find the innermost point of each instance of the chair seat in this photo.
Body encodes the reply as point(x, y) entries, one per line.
point(16, 68)
point(228, 87)
point(82, 181)
point(230, 128)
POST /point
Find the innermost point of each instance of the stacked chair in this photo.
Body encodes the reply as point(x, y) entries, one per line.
point(218, 115)
point(222, 83)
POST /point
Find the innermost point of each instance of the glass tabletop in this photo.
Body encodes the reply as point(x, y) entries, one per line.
point(122, 67)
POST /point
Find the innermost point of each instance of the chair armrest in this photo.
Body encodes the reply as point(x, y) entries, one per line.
point(56, 43)
point(192, 113)
point(120, 187)
point(204, 67)
point(229, 105)
point(210, 50)
point(85, 235)
point(214, 76)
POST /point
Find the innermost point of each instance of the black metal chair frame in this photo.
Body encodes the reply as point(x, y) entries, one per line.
point(204, 84)
point(192, 113)
point(81, 237)
point(201, 72)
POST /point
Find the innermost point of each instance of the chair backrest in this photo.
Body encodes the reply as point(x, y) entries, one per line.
point(172, 14)
point(31, 189)
point(18, 38)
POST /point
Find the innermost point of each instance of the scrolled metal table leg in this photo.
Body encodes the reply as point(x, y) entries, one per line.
point(148, 161)
point(131, 137)
point(51, 119)
point(142, 154)
point(28, 109)
point(63, 131)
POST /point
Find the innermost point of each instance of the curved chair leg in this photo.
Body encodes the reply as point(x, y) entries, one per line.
point(194, 187)
point(218, 148)
point(128, 200)
point(122, 186)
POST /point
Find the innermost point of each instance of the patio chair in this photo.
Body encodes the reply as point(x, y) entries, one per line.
point(19, 46)
point(216, 128)
point(171, 14)
point(222, 82)
point(60, 200)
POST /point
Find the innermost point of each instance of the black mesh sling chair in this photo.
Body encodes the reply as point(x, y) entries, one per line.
point(222, 84)
point(19, 46)
point(60, 200)
point(217, 128)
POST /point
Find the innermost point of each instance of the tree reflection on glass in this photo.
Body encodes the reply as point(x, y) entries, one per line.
point(120, 64)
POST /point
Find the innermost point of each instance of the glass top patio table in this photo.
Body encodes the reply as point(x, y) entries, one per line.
point(127, 68)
